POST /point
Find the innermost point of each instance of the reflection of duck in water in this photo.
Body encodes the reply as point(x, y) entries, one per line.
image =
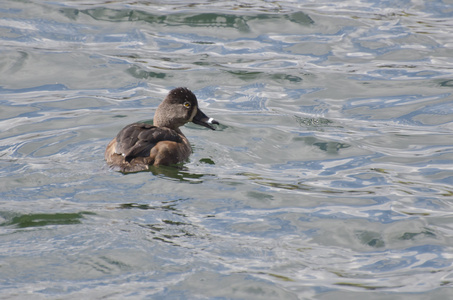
point(138, 146)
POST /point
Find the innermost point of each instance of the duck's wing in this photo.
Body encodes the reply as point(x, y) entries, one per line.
point(137, 140)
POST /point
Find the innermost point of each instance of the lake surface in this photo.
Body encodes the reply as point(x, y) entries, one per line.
point(330, 176)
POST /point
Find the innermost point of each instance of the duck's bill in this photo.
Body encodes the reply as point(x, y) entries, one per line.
point(203, 120)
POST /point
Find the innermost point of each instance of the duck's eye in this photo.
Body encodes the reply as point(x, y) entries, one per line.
point(187, 104)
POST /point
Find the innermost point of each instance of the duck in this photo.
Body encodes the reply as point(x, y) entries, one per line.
point(139, 146)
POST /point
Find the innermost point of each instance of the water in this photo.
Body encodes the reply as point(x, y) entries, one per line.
point(330, 176)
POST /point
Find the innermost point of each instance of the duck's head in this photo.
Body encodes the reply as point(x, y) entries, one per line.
point(179, 107)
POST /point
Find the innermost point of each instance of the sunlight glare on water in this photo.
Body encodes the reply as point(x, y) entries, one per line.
point(329, 176)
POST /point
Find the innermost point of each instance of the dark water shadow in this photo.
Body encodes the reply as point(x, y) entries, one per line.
point(176, 172)
point(240, 22)
point(167, 206)
point(42, 219)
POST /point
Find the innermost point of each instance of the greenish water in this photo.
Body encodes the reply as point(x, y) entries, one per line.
point(330, 175)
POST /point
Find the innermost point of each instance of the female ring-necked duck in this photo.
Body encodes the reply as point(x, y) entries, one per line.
point(139, 145)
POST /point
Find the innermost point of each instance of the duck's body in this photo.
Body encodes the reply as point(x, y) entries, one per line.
point(138, 146)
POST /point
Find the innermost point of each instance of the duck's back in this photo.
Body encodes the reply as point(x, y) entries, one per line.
point(139, 145)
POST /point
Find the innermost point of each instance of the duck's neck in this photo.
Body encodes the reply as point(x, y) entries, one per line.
point(162, 119)
point(161, 122)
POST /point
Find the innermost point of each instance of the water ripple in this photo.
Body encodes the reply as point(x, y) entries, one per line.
point(330, 174)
